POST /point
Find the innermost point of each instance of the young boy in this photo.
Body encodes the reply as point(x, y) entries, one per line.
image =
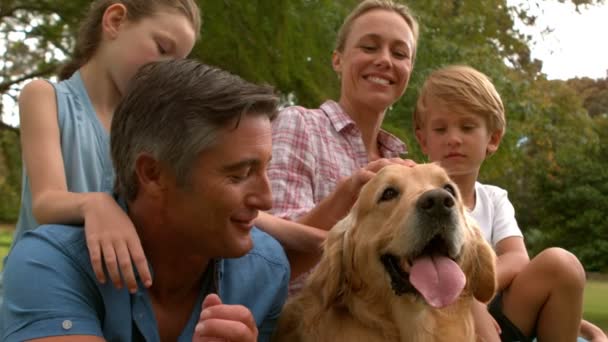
point(459, 121)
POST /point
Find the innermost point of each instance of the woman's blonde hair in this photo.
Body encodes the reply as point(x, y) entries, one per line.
point(462, 89)
point(369, 5)
point(89, 33)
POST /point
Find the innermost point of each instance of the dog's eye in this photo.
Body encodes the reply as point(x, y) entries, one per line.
point(450, 188)
point(389, 194)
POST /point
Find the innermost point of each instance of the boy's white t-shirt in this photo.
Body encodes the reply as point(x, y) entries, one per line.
point(494, 213)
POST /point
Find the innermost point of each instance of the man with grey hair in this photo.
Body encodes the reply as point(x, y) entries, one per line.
point(190, 145)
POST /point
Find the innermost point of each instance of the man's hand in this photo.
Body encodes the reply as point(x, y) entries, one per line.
point(220, 322)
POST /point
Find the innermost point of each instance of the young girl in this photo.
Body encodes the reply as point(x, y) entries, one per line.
point(68, 175)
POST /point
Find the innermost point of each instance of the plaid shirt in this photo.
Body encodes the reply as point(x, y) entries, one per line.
point(312, 149)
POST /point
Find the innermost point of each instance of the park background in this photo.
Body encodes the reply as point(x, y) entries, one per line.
point(553, 160)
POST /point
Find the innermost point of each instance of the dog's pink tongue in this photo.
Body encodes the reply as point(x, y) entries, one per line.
point(438, 279)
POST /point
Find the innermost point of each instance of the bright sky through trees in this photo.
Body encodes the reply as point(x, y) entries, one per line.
point(570, 44)
point(576, 45)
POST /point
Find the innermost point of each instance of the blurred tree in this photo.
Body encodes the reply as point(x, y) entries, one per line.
point(575, 201)
point(593, 92)
point(479, 33)
point(554, 127)
point(10, 175)
point(284, 43)
point(35, 35)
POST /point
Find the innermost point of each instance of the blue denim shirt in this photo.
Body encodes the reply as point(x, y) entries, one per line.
point(51, 290)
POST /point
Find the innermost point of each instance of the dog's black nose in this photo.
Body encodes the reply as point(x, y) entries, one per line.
point(437, 202)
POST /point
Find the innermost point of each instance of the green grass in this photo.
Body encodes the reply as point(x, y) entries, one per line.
point(596, 303)
point(6, 236)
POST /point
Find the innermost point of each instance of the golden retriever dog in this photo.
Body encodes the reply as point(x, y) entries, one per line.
point(404, 265)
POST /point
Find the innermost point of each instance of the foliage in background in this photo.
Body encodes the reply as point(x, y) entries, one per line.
point(561, 189)
point(595, 303)
point(35, 35)
point(553, 159)
point(285, 43)
point(594, 94)
point(10, 175)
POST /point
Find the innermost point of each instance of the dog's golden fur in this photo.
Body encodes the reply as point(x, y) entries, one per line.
point(349, 296)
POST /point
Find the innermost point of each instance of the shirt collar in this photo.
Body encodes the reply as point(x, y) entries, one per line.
point(390, 145)
point(336, 115)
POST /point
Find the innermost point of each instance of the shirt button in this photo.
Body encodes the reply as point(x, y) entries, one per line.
point(67, 324)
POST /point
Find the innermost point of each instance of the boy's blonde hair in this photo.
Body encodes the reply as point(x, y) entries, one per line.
point(369, 5)
point(462, 89)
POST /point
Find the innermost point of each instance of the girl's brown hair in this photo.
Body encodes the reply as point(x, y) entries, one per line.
point(89, 33)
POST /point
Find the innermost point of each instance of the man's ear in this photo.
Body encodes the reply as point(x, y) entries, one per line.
point(494, 142)
point(421, 137)
point(114, 16)
point(151, 175)
point(336, 61)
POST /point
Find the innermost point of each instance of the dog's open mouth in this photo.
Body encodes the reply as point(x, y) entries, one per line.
point(430, 274)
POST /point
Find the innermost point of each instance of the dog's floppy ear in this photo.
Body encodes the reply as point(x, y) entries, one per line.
point(483, 280)
point(328, 280)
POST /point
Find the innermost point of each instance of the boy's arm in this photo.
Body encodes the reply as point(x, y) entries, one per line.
point(512, 258)
point(509, 242)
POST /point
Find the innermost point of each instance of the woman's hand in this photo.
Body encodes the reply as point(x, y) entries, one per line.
point(351, 186)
